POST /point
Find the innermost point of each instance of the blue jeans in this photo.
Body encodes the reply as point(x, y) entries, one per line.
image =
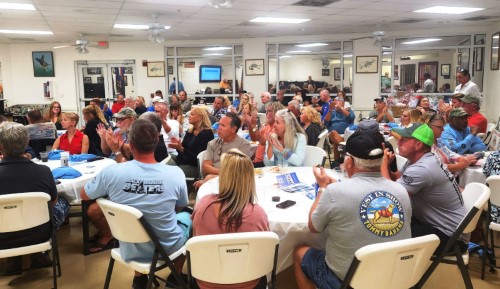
point(315, 268)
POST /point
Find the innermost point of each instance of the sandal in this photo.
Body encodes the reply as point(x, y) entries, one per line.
point(103, 247)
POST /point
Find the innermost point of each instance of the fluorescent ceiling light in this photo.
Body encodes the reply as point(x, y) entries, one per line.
point(496, 36)
point(26, 32)
point(17, 6)
point(312, 44)
point(347, 55)
point(448, 10)
point(298, 51)
point(387, 52)
point(212, 54)
point(132, 26)
point(285, 56)
point(217, 48)
point(422, 41)
point(279, 20)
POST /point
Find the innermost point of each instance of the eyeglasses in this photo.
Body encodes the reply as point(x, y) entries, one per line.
point(121, 119)
point(440, 127)
point(56, 107)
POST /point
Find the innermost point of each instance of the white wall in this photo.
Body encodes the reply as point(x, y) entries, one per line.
point(491, 81)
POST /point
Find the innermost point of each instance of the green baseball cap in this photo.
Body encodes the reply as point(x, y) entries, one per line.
point(470, 98)
point(457, 112)
point(418, 131)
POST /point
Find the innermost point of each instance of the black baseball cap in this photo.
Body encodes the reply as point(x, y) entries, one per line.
point(365, 145)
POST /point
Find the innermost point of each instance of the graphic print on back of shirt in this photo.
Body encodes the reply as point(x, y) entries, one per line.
point(382, 214)
point(143, 187)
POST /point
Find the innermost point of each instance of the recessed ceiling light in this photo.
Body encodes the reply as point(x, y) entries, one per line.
point(217, 48)
point(279, 20)
point(26, 32)
point(448, 10)
point(17, 6)
point(212, 54)
point(312, 44)
point(132, 26)
point(347, 55)
point(298, 51)
point(285, 56)
point(421, 41)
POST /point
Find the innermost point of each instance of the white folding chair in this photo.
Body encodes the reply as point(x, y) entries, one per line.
point(314, 156)
point(128, 225)
point(262, 117)
point(394, 142)
point(24, 211)
point(403, 262)
point(324, 144)
point(401, 161)
point(232, 258)
point(201, 158)
point(475, 196)
point(493, 182)
point(166, 160)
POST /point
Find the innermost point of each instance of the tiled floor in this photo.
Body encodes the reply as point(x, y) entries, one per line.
point(88, 272)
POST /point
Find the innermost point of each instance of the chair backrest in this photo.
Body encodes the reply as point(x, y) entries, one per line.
point(262, 117)
point(394, 142)
point(322, 137)
point(493, 183)
point(201, 158)
point(475, 196)
point(166, 160)
point(124, 222)
point(403, 263)
point(314, 156)
point(40, 145)
point(494, 143)
point(401, 161)
point(23, 211)
point(232, 258)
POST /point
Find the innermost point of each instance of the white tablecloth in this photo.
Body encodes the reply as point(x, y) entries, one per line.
point(290, 224)
point(472, 174)
point(70, 188)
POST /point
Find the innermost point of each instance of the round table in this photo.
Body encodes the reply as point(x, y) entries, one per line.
point(473, 173)
point(290, 224)
point(71, 188)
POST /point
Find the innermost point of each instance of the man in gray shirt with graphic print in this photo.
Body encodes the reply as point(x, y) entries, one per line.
point(364, 209)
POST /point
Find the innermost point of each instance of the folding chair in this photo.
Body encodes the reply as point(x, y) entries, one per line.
point(324, 143)
point(232, 258)
point(128, 225)
point(493, 182)
point(314, 156)
point(403, 263)
point(24, 211)
point(475, 196)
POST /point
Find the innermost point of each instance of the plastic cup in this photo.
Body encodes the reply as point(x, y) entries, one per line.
point(44, 156)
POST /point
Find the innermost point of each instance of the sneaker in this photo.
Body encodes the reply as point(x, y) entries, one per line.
point(140, 282)
point(40, 260)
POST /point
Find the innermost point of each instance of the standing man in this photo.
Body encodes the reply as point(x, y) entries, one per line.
point(184, 101)
point(223, 85)
point(119, 103)
point(169, 127)
point(466, 86)
point(429, 86)
point(172, 89)
point(459, 137)
point(471, 105)
point(438, 207)
point(377, 211)
point(148, 190)
point(228, 139)
point(265, 97)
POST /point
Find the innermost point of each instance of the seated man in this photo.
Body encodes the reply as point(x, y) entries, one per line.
point(157, 190)
point(124, 119)
point(471, 105)
point(343, 213)
point(228, 139)
point(18, 174)
point(169, 127)
point(294, 107)
point(381, 113)
point(219, 108)
point(437, 203)
point(37, 129)
point(460, 138)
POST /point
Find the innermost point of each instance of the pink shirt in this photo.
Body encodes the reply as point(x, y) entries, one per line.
point(205, 223)
point(261, 148)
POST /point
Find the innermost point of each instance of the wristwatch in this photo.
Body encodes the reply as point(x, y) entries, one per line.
point(254, 129)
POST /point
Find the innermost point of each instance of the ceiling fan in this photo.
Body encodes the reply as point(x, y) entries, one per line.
point(81, 45)
point(377, 35)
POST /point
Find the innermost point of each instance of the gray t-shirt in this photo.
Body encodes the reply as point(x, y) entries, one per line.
point(365, 209)
point(435, 196)
point(217, 147)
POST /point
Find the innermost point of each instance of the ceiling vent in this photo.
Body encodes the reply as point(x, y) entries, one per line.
point(480, 18)
point(410, 21)
point(315, 3)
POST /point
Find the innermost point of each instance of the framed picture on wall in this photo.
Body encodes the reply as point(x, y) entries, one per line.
point(325, 72)
point(87, 80)
point(494, 50)
point(43, 63)
point(254, 67)
point(94, 70)
point(336, 73)
point(156, 69)
point(366, 64)
point(445, 70)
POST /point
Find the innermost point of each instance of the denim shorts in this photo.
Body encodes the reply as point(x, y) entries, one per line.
point(315, 268)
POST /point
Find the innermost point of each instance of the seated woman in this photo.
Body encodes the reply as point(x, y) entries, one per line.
point(245, 98)
point(73, 141)
point(195, 141)
point(409, 116)
point(311, 120)
point(233, 210)
point(453, 161)
point(287, 145)
point(492, 168)
point(249, 110)
point(54, 115)
point(93, 116)
point(424, 105)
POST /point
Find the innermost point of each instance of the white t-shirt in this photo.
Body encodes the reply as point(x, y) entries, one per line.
point(174, 132)
point(468, 88)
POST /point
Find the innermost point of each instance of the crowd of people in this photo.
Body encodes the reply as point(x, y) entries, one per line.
point(138, 136)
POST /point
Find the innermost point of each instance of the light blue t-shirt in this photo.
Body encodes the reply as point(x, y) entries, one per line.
point(154, 189)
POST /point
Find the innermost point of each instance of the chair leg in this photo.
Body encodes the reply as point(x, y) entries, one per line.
point(85, 228)
point(110, 271)
point(463, 268)
point(492, 257)
point(54, 266)
point(55, 256)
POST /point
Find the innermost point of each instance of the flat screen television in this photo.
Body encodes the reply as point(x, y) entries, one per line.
point(210, 73)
